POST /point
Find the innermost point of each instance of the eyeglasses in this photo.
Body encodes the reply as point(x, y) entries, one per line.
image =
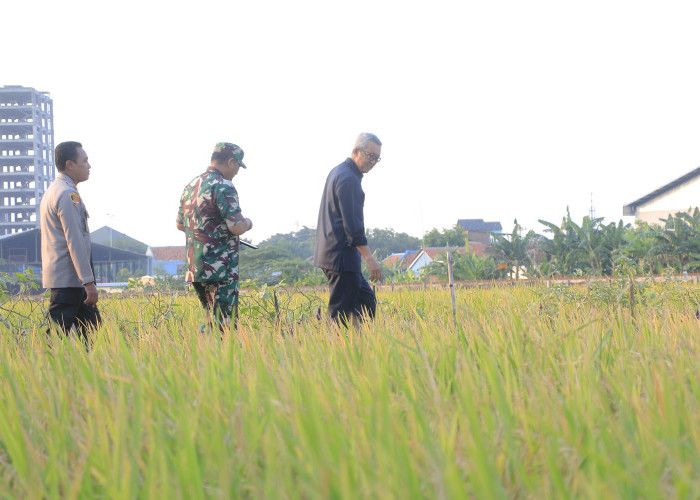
point(372, 157)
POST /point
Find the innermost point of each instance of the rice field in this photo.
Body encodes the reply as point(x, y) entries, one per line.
point(532, 393)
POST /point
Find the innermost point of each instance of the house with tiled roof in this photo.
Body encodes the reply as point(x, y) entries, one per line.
point(170, 259)
point(402, 259)
point(477, 248)
point(428, 255)
point(679, 195)
point(415, 260)
point(392, 259)
point(409, 258)
point(479, 230)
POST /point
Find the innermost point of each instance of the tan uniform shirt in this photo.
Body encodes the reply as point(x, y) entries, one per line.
point(65, 237)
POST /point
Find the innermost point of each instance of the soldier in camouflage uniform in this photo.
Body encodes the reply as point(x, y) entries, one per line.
point(211, 218)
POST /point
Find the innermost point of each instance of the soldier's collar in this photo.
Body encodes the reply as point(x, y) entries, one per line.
point(215, 170)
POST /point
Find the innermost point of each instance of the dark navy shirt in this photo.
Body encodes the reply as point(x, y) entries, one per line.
point(341, 222)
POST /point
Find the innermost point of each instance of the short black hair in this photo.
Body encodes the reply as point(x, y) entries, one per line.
point(64, 152)
point(221, 156)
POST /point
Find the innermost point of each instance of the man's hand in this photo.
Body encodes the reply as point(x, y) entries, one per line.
point(242, 227)
point(92, 295)
point(375, 270)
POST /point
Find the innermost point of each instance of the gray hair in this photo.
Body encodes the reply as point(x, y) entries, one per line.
point(364, 138)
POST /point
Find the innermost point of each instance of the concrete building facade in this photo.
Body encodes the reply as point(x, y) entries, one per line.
point(479, 230)
point(680, 195)
point(26, 156)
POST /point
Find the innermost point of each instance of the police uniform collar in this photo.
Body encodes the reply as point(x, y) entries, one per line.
point(67, 179)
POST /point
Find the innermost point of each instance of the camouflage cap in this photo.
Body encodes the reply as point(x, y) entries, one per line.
point(230, 149)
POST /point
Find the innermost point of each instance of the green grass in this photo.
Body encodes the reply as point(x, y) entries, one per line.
point(573, 399)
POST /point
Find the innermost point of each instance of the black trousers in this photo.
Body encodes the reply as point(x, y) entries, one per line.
point(350, 294)
point(67, 307)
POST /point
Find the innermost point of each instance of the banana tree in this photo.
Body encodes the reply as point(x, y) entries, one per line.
point(674, 242)
point(512, 249)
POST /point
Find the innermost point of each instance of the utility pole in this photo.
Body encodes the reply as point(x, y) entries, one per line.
point(451, 279)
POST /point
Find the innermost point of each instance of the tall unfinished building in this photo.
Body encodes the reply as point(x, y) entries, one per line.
point(26, 155)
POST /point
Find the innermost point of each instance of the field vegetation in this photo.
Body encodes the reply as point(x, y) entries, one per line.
point(583, 391)
point(565, 248)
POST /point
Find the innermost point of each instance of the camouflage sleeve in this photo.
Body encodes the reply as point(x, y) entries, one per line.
point(186, 202)
point(226, 199)
point(180, 215)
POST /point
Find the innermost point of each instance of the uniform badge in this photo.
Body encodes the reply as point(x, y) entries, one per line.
point(75, 198)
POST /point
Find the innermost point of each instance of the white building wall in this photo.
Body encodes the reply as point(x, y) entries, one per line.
point(680, 199)
point(421, 261)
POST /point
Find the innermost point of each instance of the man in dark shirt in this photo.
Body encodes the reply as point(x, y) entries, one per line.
point(340, 235)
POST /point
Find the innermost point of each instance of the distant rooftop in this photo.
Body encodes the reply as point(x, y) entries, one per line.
point(631, 208)
point(113, 238)
point(20, 88)
point(479, 225)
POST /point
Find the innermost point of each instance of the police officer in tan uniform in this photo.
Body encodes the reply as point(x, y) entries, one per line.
point(66, 254)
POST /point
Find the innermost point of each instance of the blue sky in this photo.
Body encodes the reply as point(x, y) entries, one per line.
point(495, 110)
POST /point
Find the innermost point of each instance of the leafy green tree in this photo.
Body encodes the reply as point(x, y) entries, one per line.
point(613, 245)
point(455, 236)
point(592, 247)
point(473, 267)
point(270, 265)
point(588, 251)
point(572, 248)
point(678, 243)
point(640, 247)
point(385, 242)
point(556, 249)
point(298, 244)
point(693, 220)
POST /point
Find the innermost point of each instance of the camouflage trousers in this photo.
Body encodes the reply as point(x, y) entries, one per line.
point(220, 299)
